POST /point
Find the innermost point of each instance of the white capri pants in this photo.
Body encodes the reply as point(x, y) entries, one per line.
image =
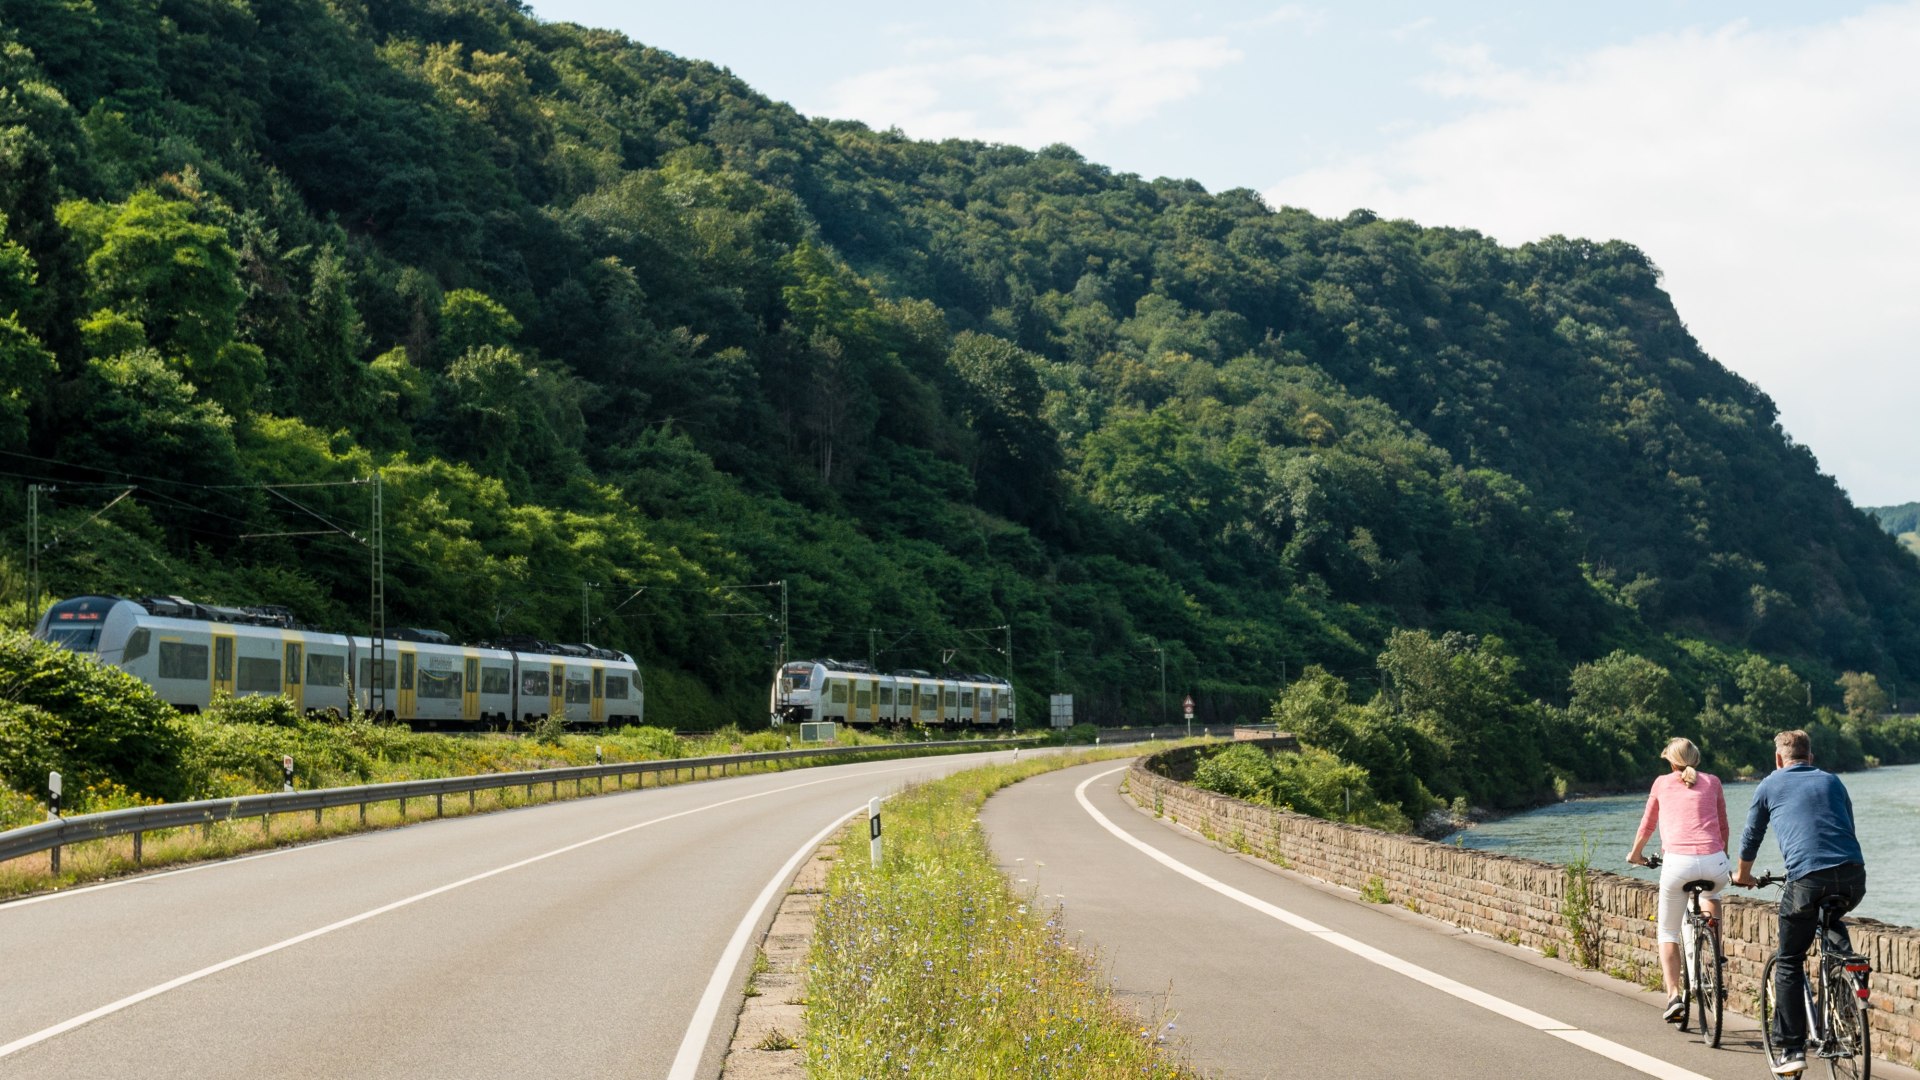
point(1676, 871)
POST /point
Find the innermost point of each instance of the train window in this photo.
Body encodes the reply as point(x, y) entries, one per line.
point(886, 695)
point(179, 660)
point(223, 660)
point(138, 643)
point(439, 684)
point(966, 699)
point(798, 680)
point(81, 639)
point(616, 688)
point(406, 671)
point(258, 675)
point(863, 699)
point(386, 672)
point(325, 670)
point(496, 680)
point(599, 682)
point(579, 690)
point(839, 692)
point(533, 683)
point(293, 663)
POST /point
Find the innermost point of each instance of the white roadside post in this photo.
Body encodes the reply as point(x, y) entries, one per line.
point(1189, 708)
point(53, 813)
point(873, 830)
point(286, 771)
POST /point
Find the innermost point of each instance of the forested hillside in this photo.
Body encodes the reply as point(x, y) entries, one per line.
point(623, 335)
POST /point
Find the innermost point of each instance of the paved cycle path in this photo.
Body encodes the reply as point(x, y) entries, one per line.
point(1272, 974)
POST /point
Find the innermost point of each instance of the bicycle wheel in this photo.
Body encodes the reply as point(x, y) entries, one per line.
point(1849, 1036)
point(1709, 966)
point(1767, 1006)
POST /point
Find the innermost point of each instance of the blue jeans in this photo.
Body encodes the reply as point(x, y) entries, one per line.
point(1799, 922)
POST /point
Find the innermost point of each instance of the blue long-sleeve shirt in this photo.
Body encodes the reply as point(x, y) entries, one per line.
point(1814, 816)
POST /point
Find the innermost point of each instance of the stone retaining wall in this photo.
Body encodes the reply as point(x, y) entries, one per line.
point(1518, 900)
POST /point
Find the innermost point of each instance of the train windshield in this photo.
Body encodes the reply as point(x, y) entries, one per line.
point(75, 624)
point(798, 676)
point(80, 639)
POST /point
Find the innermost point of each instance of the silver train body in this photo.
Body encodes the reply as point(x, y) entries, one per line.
point(855, 695)
point(189, 652)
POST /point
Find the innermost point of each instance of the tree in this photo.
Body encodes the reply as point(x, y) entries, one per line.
point(1865, 701)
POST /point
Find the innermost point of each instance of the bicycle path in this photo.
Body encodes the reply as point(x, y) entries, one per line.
point(1272, 974)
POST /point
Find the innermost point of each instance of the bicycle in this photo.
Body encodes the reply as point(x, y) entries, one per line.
point(1704, 987)
point(1838, 1029)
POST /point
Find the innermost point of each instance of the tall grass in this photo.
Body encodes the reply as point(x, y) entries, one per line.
point(931, 965)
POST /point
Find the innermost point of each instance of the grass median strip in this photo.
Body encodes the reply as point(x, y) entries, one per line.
point(933, 965)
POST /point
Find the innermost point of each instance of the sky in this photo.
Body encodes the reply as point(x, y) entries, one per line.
point(1765, 155)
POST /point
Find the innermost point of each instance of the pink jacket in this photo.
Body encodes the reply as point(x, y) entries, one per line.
point(1692, 820)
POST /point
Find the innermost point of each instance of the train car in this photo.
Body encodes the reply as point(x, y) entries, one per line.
point(851, 693)
point(191, 652)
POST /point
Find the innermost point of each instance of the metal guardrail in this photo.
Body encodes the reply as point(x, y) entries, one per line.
point(53, 835)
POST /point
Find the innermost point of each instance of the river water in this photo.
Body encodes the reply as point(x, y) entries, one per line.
point(1886, 812)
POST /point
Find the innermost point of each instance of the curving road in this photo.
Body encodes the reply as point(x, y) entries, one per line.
point(1274, 975)
point(598, 937)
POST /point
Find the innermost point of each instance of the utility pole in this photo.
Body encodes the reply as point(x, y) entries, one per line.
point(33, 552)
point(586, 607)
point(1163, 682)
point(872, 656)
point(786, 646)
point(377, 605)
point(1009, 629)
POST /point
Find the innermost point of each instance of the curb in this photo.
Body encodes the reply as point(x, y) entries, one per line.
point(769, 1037)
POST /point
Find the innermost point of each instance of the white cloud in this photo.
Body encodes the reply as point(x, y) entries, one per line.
point(1773, 176)
point(1066, 79)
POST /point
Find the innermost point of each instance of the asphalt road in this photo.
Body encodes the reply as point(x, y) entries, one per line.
point(584, 938)
point(1293, 978)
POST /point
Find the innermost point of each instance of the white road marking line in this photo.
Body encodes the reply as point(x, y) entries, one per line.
point(131, 1000)
point(1586, 1040)
point(686, 1063)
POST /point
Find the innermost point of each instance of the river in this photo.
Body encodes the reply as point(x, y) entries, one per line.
point(1886, 811)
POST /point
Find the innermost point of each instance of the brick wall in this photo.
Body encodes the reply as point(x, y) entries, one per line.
point(1518, 900)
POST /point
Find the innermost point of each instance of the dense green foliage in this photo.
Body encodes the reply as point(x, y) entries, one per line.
point(614, 327)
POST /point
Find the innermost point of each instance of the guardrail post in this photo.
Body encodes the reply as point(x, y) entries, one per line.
point(403, 808)
point(137, 836)
point(363, 815)
point(317, 811)
point(472, 798)
point(439, 806)
point(55, 851)
point(556, 789)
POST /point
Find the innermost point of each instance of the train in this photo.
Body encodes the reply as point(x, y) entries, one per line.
point(852, 693)
point(189, 652)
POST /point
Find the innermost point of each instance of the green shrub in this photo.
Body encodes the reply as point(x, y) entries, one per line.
point(60, 711)
point(253, 709)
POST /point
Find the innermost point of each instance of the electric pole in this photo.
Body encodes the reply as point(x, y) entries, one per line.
point(33, 552)
point(377, 605)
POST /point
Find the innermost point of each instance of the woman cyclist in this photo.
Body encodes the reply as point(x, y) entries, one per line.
point(1690, 809)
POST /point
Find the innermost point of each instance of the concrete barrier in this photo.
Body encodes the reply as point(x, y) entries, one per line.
point(1518, 900)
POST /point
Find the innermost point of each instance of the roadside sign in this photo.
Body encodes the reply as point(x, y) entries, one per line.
point(1189, 706)
point(1060, 711)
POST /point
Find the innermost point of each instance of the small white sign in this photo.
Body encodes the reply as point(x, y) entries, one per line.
point(53, 783)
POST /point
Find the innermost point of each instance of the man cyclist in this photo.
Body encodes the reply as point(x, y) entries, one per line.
point(1813, 817)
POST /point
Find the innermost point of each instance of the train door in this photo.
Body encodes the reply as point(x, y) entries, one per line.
point(984, 713)
point(404, 708)
point(599, 694)
point(223, 646)
point(557, 690)
point(290, 673)
point(470, 691)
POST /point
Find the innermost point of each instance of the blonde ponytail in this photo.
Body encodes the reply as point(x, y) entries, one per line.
point(1684, 756)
